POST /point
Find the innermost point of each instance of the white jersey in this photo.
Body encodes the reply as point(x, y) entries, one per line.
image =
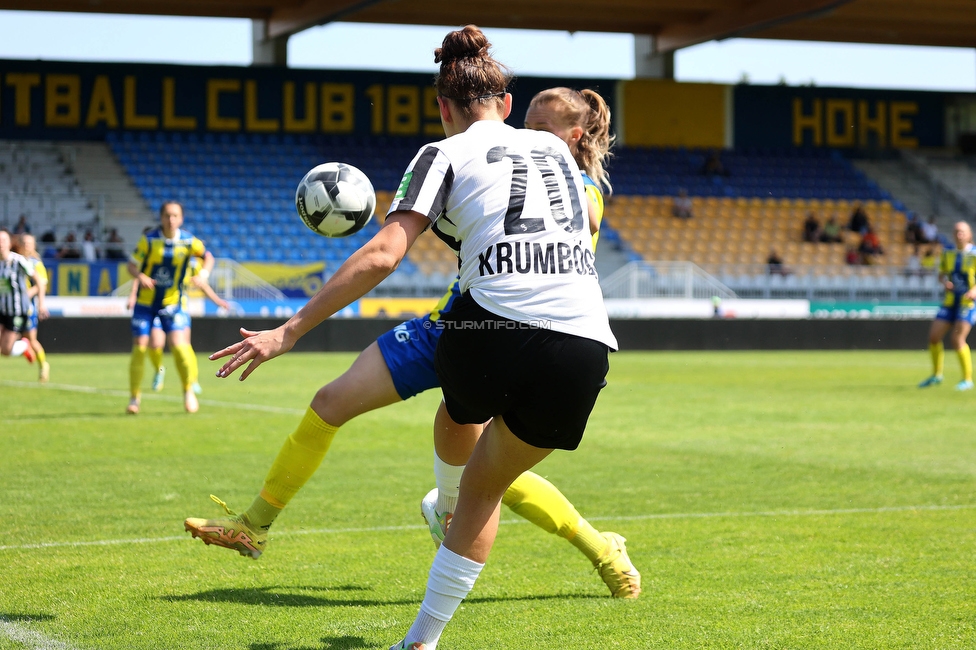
point(14, 272)
point(512, 205)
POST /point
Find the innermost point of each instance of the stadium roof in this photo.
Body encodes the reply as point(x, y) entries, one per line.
point(674, 23)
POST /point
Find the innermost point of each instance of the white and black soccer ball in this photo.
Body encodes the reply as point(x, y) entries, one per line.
point(335, 199)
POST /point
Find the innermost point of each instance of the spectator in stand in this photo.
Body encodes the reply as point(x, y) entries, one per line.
point(49, 239)
point(870, 247)
point(115, 246)
point(831, 231)
point(859, 219)
point(681, 206)
point(930, 231)
point(811, 228)
point(713, 166)
point(69, 248)
point(22, 227)
point(775, 264)
point(852, 257)
point(929, 260)
point(88, 251)
point(913, 230)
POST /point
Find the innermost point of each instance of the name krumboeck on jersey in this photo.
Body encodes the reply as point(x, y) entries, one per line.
point(523, 257)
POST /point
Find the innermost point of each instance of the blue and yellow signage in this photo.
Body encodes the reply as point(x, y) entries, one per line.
point(40, 99)
point(838, 118)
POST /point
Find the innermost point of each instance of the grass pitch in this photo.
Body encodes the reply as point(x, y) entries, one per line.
point(770, 500)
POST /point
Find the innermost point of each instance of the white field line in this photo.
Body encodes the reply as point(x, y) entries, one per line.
point(149, 396)
point(379, 529)
point(29, 638)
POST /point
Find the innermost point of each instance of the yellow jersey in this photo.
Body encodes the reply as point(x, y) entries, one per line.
point(960, 268)
point(165, 261)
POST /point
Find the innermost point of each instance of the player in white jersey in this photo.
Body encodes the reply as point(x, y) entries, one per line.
point(27, 246)
point(526, 344)
point(15, 270)
point(400, 364)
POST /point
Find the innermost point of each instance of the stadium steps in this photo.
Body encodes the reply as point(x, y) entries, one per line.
point(99, 174)
point(912, 189)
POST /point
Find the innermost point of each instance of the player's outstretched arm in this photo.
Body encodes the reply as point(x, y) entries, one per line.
point(364, 269)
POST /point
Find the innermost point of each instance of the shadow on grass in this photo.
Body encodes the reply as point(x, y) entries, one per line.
point(276, 596)
point(328, 643)
point(24, 618)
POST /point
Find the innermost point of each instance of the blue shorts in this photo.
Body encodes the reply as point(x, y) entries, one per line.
point(408, 350)
point(32, 321)
point(171, 319)
point(157, 323)
point(957, 313)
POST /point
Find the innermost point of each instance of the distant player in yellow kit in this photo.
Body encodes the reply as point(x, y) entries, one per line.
point(957, 273)
point(159, 266)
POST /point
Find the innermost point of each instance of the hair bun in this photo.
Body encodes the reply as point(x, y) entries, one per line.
point(467, 43)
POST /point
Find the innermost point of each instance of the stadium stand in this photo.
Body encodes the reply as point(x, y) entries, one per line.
point(238, 190)
point(756, 204)
point(36, 182)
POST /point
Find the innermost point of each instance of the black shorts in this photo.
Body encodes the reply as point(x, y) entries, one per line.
point(17, 324)
point(543, 383)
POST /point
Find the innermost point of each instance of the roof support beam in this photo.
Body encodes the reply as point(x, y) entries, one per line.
point(286, 21)
point(740, 21)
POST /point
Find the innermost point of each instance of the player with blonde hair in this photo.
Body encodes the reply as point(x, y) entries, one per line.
point(27, 246)
point(957, 273)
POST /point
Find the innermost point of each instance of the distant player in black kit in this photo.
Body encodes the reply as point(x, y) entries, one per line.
point(15, 270)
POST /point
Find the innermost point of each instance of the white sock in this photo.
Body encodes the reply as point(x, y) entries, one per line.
point(20, 345)
point(448, 479)
point(451, 579)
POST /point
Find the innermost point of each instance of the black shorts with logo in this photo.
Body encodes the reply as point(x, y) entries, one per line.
point(17, 324)
point(543, 383)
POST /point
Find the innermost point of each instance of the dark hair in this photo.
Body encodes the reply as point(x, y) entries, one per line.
point(162, 206)
point(585, 109)
point(468, 73)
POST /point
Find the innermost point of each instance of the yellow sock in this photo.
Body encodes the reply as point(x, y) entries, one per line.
point(937, 350)
point(155, 357)
point(136, 363)
point(298, 459)
point(966, 361)
point(182, 357)
point(41, 356)
point(193, 369)
point(539, 501)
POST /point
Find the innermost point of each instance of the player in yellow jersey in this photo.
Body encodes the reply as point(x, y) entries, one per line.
point(157, 337)
point(957, 273)
point(400, 365)
point(27, 246)
point(159, 265)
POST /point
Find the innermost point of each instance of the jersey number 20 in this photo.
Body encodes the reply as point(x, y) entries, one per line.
point(515, 224)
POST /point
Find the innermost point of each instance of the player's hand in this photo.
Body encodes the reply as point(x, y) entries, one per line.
point(43, 313)
point(146, 281)
point(256, 348)
point(948, 285)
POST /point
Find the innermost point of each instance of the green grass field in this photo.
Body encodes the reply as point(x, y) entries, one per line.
point(770, 500)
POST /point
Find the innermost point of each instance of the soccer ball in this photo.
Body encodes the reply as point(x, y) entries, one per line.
point(335, 199)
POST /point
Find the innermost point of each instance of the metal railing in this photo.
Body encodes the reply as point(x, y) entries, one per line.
point(231, 281)
point(638, 280)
